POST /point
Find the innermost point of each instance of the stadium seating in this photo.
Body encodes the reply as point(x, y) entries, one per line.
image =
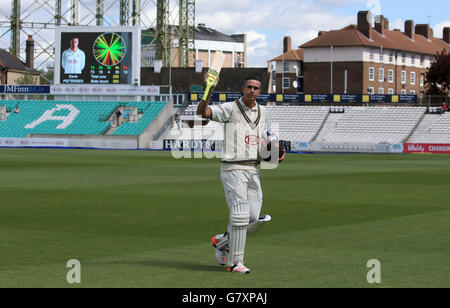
point(149, 112)
point(365, 125)
point(293, 123)
point(376, 124)
point(297, 123)
point(72, 118)
point(433, 129)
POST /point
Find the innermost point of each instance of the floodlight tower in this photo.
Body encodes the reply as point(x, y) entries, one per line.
point(15, 28)
point(124, 12)
point(162, 31)
point(75, 13)
point(186, 31)
point(100, 11)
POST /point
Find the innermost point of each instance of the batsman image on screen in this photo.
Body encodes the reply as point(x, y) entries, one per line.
point(73, 59)
point(96, 58)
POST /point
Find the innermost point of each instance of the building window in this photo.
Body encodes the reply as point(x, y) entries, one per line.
point(381, 56)
point(422, 59)
point(413, 60)
point(381, 91)
point(286, 83)
point(403, 91)
point(381, 75)
point(371, 90)
point(391, 76)
point(403, 79)
point(422, 79)
point(391, 57)
point(372, 55)
point(371, 74)
point(412, 92)
point(390, 91)
point(403, 58)
point(285, 66)
point(413, 78)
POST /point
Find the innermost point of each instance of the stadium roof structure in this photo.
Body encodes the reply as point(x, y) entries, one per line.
point(204, 33)
point(201, 33)
point(390, 39)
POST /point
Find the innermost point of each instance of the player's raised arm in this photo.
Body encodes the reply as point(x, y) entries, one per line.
point(211, 78)
point(203, 109)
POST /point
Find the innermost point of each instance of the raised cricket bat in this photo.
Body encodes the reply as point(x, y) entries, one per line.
point(214, 72)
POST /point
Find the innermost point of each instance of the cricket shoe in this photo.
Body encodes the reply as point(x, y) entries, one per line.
point(221, 253)
point(239, 268)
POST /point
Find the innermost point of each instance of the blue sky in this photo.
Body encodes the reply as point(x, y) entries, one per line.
point(266, 22)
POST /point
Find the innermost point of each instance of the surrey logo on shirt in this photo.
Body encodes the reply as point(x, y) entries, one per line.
point(252, 140)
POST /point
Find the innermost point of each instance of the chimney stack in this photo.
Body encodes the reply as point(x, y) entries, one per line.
point(29, 50)
point(446, 35)
point(425, 30)
point(386, 23)
point(287, 45)
point(379, 24)
point(409, 29)
point(365, 23)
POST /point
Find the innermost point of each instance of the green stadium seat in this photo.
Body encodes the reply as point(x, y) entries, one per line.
point(85, 122)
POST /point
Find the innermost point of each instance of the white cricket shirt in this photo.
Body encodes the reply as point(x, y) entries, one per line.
point(243, 131)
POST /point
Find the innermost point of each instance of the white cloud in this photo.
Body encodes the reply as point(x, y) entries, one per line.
point(397, 24)
point(270, 21)
point(438, 29)
point(257, 47)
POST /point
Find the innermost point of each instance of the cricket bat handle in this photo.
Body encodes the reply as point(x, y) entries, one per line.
point(207, 92)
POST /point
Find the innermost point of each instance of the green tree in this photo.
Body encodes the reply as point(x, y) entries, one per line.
point(437, 81)
point(46, 76)
point(26, 79)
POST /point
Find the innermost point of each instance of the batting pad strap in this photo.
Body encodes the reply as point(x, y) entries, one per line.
point(240, 214)
point(240, 219)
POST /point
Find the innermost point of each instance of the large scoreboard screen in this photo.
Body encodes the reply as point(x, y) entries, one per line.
point(97, 55)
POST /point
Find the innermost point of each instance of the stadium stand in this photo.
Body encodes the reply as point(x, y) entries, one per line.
point(434, 128)
point(297, 123)
point(293, 123)
point(147, 111)
point(328, 125)
point(376, 124)
point(323, 124)
point(73, 118)
point(212, 131)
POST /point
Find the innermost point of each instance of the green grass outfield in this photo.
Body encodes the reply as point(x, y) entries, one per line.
point(144, 219)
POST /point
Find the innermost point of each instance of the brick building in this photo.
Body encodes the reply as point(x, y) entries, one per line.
point(287, 77)
point(12, 69)
point(365, 59)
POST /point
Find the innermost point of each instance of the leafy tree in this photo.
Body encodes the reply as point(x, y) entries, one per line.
point(46, 76)
point(26, 79)
point(437, 81)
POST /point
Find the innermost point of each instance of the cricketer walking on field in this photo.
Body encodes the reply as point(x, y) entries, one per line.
point(244, 131)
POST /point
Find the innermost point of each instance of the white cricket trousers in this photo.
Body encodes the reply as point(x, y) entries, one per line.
point(244, 199)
